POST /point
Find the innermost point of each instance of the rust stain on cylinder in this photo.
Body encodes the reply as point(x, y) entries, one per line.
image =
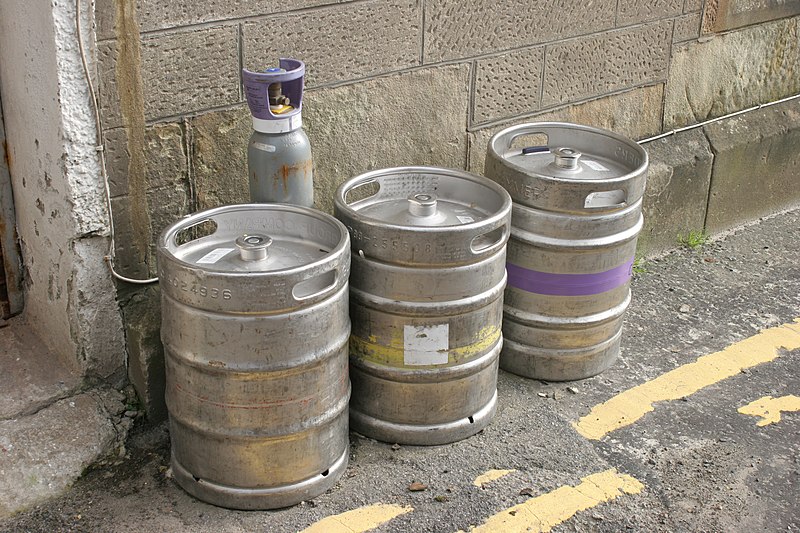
point(283, 175)
point(301, 170)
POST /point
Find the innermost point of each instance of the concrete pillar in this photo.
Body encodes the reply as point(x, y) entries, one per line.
point(70, 298)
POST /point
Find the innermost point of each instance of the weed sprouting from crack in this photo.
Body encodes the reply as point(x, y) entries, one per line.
point(693, 240)
point(639, 267)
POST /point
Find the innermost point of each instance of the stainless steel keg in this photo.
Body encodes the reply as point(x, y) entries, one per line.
point(577, 213)
point(255, 327)
point(426, 301)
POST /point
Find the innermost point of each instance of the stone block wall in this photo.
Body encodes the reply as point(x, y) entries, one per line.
point(398, 82)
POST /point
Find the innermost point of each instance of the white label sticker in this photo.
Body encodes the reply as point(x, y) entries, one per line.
point(594, 165)
point(214, 255)
point(465, 219)
point(426, 345)
point(263, 147)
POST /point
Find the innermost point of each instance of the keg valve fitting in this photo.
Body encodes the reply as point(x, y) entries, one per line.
point(422, 204)
point(253, 247)
point(566, 158)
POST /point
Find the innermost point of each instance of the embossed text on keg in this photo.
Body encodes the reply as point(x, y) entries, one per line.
point(525, 189)
point(273, 224)
point(627, 156)
point(387, 243)
point(357, 235)
point(201, 290)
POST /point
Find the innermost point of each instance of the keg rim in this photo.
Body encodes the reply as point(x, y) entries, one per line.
point(341, 205)
point(167, 246)
point(509, 134)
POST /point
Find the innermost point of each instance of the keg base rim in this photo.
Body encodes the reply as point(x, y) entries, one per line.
point(423, 435)
point(559, 365)
point(259, 499)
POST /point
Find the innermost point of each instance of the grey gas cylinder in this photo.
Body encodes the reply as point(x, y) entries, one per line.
point(279, 164)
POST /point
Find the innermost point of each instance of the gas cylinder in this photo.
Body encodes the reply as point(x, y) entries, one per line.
point(279, 161)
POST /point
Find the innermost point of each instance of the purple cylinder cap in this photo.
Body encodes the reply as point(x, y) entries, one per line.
point(256, 88)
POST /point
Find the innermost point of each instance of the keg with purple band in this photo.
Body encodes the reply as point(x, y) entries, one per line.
point(576, 215)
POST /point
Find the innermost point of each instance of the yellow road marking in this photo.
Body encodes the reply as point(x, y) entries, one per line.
point(631, 405)
point(358, 520)
point(769, 408)
point(544, 512)
point(490, 476)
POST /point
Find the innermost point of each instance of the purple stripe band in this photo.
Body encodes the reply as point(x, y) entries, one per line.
point(568, 284)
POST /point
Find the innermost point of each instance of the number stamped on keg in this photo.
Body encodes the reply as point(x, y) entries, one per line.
point(276, 290)
point(201, 290)
point(387, 243)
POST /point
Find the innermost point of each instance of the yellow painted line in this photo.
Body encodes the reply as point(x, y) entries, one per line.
point(769, 408)
point(544, 512)
point(490, 476)
point(358, 520)
point(631, 405)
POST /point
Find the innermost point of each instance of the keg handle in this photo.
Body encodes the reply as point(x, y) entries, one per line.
point(536, 142)
point(299, 293)
point(362, 191)
point(494, 243)
point(188, 230)
point(605, 200)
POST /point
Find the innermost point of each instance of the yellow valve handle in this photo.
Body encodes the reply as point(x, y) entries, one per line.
point(281, 109)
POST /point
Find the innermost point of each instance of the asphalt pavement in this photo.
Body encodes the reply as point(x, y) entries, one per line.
point(695, 428)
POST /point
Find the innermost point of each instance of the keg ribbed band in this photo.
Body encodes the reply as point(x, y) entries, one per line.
point(568, 284)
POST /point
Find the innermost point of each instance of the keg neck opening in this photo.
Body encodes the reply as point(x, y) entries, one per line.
point(422, 204)
point(566, 158)
point(253, 247)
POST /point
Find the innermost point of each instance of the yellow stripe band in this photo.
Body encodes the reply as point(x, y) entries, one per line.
point(629, 406)
point(358, 520)
point(769, 409)
point(392, 353)
point(544, 512)
point(490, 476)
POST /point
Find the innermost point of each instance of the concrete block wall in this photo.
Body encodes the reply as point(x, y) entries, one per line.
point(401, 82)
